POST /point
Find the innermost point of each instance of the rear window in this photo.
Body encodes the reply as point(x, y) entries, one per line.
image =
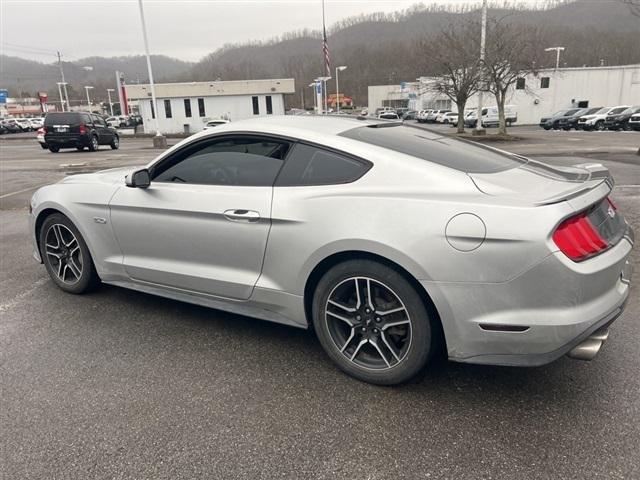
point(62, 118)
point(427, 145)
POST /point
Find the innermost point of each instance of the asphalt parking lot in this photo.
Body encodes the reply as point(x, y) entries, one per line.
point(123, 385)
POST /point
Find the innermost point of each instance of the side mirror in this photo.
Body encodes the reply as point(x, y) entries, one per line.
point(138, 179)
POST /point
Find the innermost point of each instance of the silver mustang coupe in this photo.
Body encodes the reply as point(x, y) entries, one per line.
point(391, 242)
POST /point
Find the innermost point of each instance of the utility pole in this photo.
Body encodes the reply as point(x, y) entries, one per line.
point(159, 140)
point(64, 84)
point(109, 90)
point(61, 98)
point(479, 130)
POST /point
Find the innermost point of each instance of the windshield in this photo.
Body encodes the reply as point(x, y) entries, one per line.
point(615, 111)
point(559, 113)
point(436, 148)
point(603, 110)
point(571, 112)
point(592, 111)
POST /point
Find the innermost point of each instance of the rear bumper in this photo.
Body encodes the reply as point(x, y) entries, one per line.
point(67, 141)
point(538, 316)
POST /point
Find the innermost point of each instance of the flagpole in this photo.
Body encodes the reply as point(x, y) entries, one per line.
point(325, 49)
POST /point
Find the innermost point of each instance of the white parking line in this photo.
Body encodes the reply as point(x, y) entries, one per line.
point(18, 298)
point(23, 190)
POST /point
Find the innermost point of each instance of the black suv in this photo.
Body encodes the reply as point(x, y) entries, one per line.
point(78, 130)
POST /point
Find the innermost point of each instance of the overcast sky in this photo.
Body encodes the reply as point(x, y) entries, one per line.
point(186, 29)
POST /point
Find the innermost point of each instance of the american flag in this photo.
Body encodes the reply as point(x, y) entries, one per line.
point(325, 51)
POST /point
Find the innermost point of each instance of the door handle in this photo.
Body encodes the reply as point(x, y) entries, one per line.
point(240, 215)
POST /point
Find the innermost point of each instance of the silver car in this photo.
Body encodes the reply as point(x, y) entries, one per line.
point(392, 242)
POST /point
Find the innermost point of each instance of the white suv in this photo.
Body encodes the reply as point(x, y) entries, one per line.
point(596, 121)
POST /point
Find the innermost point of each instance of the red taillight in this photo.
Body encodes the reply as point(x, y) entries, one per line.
point(83, 128)
point(40, 131)
point(43, 130)
point(578, 239)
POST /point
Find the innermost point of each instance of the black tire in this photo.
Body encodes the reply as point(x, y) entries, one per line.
point(44, 146)
point(93, 144)
point(115, 143)
point(556, 125)
point(412, 350)
point(80, 148)
point(54, 149)
point(88, 279)
point(599, 126)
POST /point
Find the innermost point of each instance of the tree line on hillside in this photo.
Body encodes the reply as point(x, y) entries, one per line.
point(377, 48)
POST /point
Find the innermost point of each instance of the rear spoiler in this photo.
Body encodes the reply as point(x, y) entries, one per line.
point(598, 174)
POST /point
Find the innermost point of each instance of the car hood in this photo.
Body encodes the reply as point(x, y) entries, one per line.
point(540, 184)
point(109, 176)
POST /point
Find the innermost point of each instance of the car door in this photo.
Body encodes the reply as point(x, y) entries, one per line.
point(202, 224)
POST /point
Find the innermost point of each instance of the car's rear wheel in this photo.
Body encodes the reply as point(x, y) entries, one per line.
point(66, 255)
point(115, 143)
point(93, 143)
point(44, 146)
point(80, 148)
point(599, 125)
point(54, 149)
point(372, 322)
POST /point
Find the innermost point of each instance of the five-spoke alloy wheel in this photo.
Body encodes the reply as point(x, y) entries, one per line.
point(368, 323)
point(66, 256)
point(372, 322)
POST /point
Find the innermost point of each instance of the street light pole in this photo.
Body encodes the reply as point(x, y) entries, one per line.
point(338, 69)
point(323, 81)
point(557, 50)
point(87, 88)
point(479, 130)
point(159, 141)
point(314, 85)
point(109, 90)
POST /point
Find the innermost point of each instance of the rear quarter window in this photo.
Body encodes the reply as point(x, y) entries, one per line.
point(426, 145)
point(310, 165)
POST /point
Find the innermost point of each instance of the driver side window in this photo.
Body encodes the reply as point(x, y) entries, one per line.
point(239, 161)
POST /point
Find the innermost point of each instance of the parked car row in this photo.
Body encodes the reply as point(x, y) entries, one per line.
point(621, 117)
point(19, 125)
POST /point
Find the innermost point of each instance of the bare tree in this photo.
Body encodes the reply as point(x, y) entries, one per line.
point(511, 54)
point(453, 56)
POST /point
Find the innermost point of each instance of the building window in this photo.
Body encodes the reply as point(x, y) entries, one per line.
point(520, 82)
point(256, 108)
point(201, 111)
point(187, 107)
point(167, 108)
point(153, 110)
point(544, 82)
point(269, 105)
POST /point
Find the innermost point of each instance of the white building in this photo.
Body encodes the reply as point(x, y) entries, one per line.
point(535, 96)
point(186, 107)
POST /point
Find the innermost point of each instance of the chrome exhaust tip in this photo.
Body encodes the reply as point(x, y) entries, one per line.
point(588, 349)
point(602, 335)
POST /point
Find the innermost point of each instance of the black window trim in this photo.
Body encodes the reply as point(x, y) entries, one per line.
point(282, 138)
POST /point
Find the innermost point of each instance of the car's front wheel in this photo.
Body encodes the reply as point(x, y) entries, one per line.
point(66, 255)
point(372, 322)
point(115, 143)
point(54, 149)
